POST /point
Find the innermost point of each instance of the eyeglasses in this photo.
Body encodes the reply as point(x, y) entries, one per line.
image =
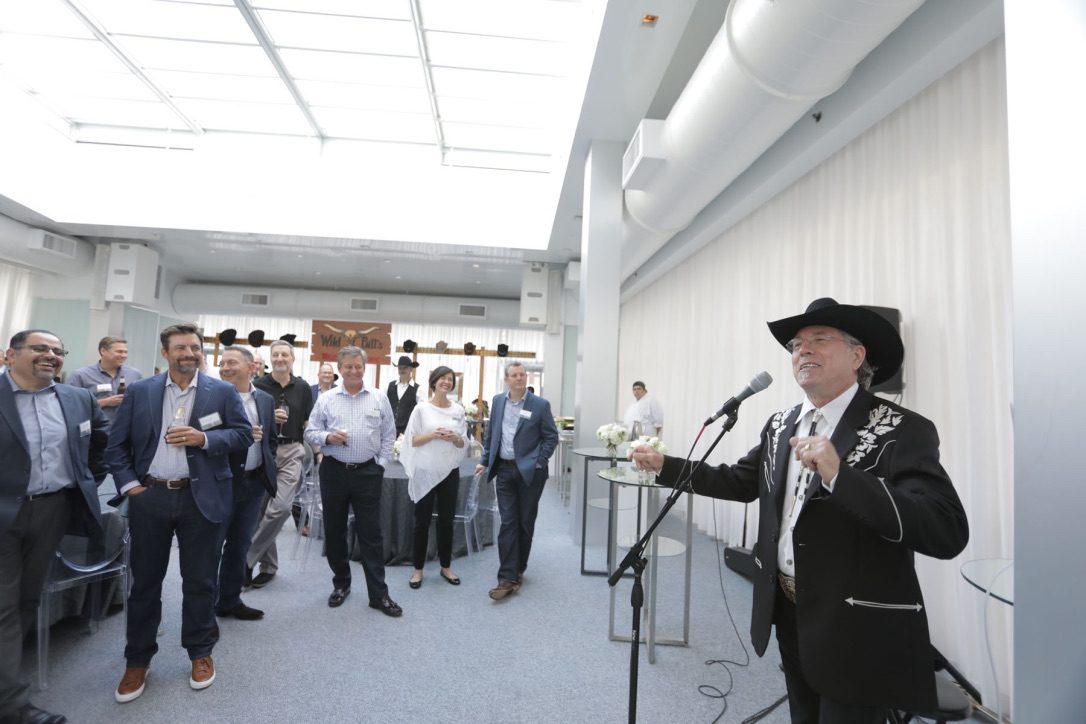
point(43, 348)
point(817, 341)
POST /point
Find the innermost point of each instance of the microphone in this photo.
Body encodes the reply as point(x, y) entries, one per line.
point(757, 383)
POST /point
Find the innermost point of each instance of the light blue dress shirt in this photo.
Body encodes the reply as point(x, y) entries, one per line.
point(46, 437)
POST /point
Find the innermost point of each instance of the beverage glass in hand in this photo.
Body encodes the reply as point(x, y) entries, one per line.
point(258, 433)
point(282, 412)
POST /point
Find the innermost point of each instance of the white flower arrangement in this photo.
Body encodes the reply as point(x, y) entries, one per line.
point(654, 442)
point(611, 434)
point(471, 410)
point(397, 446)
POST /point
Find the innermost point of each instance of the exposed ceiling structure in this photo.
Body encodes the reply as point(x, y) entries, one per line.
point(400, 146)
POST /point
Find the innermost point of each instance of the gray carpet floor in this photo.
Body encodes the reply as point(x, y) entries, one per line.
point(542, 655)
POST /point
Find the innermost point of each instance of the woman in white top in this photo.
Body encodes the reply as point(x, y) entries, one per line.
point(435, 442)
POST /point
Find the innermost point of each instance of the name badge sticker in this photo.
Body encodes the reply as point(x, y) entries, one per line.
point(526, 414)
point(105, 387)
point(209, 421)
point(84, 428)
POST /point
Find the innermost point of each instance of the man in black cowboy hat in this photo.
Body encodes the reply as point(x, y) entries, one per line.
point(850, 487)
point(403, 393)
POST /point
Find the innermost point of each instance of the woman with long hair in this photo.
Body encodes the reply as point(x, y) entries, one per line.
point(435, 442)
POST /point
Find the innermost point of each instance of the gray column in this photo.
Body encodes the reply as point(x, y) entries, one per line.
point(1046, 52)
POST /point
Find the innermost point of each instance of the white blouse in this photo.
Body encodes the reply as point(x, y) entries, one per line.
point(429, 464)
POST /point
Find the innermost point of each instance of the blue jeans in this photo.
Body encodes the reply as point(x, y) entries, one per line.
point(154, 516)
point(518, 504)
point(236, 535)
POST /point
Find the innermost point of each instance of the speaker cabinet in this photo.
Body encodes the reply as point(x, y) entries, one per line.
point(133, 273)
point(895, 385)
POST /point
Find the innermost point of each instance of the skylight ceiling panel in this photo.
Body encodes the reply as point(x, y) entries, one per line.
point(540, 19)
point(114, 112)
point(390, 9)
point(216, 86)
point(456, 50)
point(197, 57)
point(53, 85)
point(491, 85)
point(331, 32)
point(30, 53)
point(498, 138)
point(499, 112)
point(245, 117)
point(365, 97)
point(375, 125)
point(499, 159)
point(157, 19)
point(42, 17)
point(353, 68)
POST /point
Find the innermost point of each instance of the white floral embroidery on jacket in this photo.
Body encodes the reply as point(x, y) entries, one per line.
point(776, 425)
point(881, 420)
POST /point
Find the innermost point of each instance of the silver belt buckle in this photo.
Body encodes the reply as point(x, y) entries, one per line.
point(170, 484)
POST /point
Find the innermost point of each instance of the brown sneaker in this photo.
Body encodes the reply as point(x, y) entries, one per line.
point(503, 589)
point(203, 673)
point(132, 683)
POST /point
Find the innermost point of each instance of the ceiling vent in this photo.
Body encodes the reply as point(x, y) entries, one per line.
point(53, 243)
point(473, 311)
point(644, 156)
point(255, 300)
point(359, 304)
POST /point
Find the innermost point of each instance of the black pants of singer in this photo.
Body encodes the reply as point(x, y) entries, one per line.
point(360, 489)
point(806, 705)
point(445, 494)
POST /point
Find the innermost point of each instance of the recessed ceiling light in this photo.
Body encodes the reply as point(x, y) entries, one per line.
point(475, 265)
point(299, 256)
point(388, 261)
point(399, 277)
point(478, 282)
point(318, 273)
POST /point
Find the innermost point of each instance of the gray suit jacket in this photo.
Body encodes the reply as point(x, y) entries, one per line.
point(86, 452)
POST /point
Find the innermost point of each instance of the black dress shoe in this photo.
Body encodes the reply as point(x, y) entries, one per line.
point(338, 597)
point(30, 714)
point(388, 607)
point(262, 579)
point(242, 612)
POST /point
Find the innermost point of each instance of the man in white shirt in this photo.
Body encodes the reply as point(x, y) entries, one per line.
point(646, 410)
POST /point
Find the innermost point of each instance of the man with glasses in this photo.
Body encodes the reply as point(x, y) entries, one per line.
point(52, 438)
point(109, 377)
point(849, 487)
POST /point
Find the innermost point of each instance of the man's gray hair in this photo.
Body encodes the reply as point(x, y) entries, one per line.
point(350, 352)
point(866, 371)
point(512, 365)
point(281, 343)
point(247, 354)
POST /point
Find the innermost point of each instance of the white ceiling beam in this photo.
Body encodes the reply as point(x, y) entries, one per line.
point(424, 58)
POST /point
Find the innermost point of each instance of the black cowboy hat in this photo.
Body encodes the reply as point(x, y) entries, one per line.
point(405, 361)
point(885, 350)
point(256, 338)
point(289, 338)
point(228, 336)
point(409, 345)
point(469, 348)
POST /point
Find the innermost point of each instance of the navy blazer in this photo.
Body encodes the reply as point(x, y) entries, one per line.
point(265, 410)
point(136, 430)
point(863, 630)
point(534, 442)
point(79, 407)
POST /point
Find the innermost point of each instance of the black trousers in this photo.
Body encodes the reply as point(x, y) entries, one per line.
point(26, 552)
point(357, 489)
point(807, 706)
point(445, 494)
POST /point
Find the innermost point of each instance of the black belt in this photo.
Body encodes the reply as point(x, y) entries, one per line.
point(39, 496)
point(503, 461)
point(286, 440)
point(151, 481)
point(348, 466)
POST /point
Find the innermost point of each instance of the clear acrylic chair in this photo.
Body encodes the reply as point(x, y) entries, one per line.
point(487, 502)
point(466, 515)
point(83, 561)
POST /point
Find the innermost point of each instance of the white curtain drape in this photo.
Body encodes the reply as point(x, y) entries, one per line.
point(14, 300)
point(911, 215)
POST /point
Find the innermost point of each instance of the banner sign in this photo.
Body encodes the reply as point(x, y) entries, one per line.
point(329, 336)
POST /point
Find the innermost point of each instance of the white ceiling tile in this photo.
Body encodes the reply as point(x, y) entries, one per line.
point(542, 19)
point(456, 82)
point(353, 68)
point(41, 17)
point(376, 126)
point(502, 138)
point(456, 50)
point(251, 117)
point(365, 96)
point(391, 9)
point(154, 18)
point(155, 54)
point(223, 87)
point(330, 32)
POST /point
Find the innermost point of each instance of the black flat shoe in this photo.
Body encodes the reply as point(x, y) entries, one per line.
point(388, 607)
point(454, 580)
point(415, 584)
point(338, 597)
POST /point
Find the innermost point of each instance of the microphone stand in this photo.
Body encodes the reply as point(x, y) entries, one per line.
point(635, 559)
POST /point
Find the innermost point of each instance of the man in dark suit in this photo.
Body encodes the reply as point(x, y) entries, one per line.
point(254, 476)
point(51, 441)
point(850, 487)
point(519, 442)
point(403, 393)
point(169, 452)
